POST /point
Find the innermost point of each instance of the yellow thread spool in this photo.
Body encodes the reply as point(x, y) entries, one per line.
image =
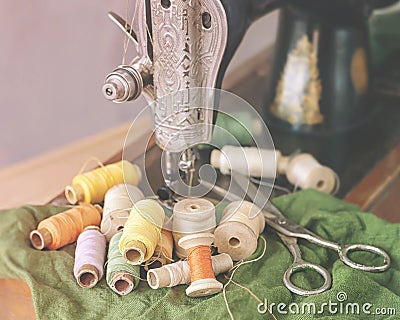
point(91, 187)
point(142, 231)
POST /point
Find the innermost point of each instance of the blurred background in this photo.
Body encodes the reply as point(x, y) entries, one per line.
point(54, 57)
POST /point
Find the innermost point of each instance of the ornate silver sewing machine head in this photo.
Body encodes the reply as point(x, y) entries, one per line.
point(181, 46)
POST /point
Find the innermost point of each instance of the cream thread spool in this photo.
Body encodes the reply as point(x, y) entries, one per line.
point(205, 286)
point(304, 171)
point(301, 170)
point(246, 161)
point(118, 203)
point(163, 252)
point(237, 233)
point(179, 272)
point(193, 215)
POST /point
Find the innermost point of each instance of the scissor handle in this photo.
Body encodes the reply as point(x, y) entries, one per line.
point(344, 251)
point(300, 266)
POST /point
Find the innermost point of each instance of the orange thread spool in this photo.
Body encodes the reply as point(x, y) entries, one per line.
point(200, 257)
point(65, 227)
point(202, 276)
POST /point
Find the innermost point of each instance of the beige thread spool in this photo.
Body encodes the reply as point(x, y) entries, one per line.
point(205, 286)
point(237, 233)
point(118, 202)
point(179, 273)
point(163, 252)
point(190, 216)
point(246, 161)
point(304, 171)
point(301, 170)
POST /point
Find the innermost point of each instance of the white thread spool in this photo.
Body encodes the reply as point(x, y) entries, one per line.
point(179, 272)
point(301, 170)
point(249, 161)
point(304, 171)
point(118, 202)
point(202, 287)
point(193, 215)
point(237, 233)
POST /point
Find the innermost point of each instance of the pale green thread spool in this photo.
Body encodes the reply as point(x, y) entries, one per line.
point(121, 276)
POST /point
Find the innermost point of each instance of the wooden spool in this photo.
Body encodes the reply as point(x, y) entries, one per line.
point(201, 287)
point(122, 282)
point(193, 215)
point(237, 234)
point(162, 277)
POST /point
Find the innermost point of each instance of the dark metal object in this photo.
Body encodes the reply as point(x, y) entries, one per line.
point(321, 77)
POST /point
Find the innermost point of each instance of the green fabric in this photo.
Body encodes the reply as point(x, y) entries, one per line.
point(57, 296)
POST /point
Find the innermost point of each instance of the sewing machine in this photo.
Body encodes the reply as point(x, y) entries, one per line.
point(183, 45)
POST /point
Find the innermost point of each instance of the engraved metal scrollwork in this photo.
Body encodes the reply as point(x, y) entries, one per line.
point(186, 55)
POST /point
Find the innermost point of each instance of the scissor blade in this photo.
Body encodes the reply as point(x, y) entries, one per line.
point(274, 218)
point(258, 198)
point(221, 191)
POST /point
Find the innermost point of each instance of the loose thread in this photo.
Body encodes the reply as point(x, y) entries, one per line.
point(89, 257)
point(91, 187)
point(142, 231)
point(121, 276)
point(235, 268)
point(65, 227)
point(252, 294)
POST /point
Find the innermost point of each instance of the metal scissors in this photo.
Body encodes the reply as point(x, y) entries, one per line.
point(289, 231)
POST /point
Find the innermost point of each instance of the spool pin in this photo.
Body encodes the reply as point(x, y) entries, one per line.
point(164, 276)
point(301, 170)
point(193, 215)
point(237, 234)
point(206, 286)
point(42, 238)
